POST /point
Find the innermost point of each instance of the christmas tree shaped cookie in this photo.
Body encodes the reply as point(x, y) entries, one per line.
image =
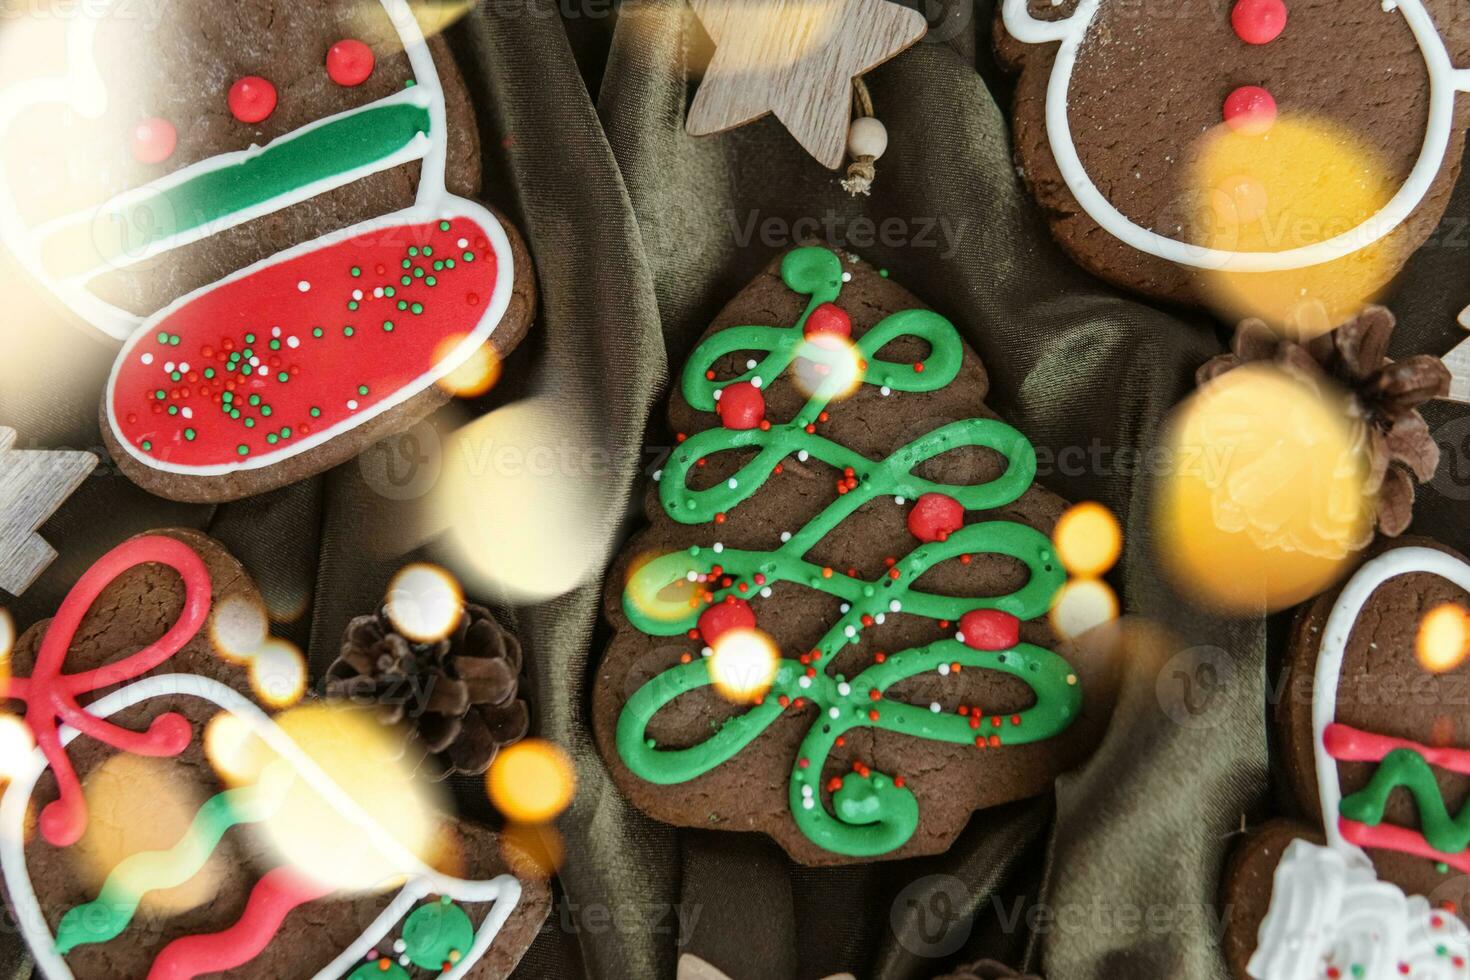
point(834, 631)
point(173, 821)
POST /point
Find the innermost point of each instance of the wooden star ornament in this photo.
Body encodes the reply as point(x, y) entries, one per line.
point(33, 483)
point(797, 59)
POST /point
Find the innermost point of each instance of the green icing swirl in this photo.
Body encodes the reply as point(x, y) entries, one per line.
point(1408, 769)
point(873, 815)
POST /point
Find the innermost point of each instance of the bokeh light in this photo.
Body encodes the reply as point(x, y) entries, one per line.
point(278, 673)
point(365, 760)
point(670, 603)
point(743, 665)
point(1301, 182)
point(7, 643)
point(1081, 605)
point(424, 602)
point(1443, 640)
point(828, 364)
point(238, 628)
point(1088, 539)
point(522, 501)
point(138, 804)
point(532, 850)
point(232, 749)
point(1265, 497)
point(16, 744)
point(477, 375)
point(532, 781)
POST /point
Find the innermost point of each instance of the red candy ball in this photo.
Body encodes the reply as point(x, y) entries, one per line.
point(990, 629)
point(935, 517)
point(252, 99)
point(1258, 21)
point(741, 406)
point(350, 63)
point(722, 617)
point(154, 140)
point(1250, 109)
point(829, 318)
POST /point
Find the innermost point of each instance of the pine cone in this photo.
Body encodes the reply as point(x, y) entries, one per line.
point(459, 693)
point(1386, 396)
point(986, 970)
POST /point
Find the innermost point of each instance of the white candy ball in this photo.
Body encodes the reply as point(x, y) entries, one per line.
point(867, 138)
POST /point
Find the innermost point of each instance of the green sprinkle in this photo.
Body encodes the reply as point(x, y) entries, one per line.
point(443, 226)
point(418, 273)
point(362, 389)
point(428, 251)
point(469, 256)
point(317, 331)
point(449, 263)
point(189, 434)
point(228, 396)
point(352, 304)
point(388, 325)
point(250, 338)
point(432, 281)
point(160, 394)
point(883, 273)
point(283, 377)
point(356, 272)
point(316, 413)
point(417, 308)
point(163, 336)
point(249, 353)
point(173, 410)
point(403, 304)
point(247, 370)
point(249, 423)
point(265, 410)
point(286, 432)
point(234, 413)
point(407, 280)
point(413, 251)
point(243, 449)
point(407, 263)
point(275, 345)
point(147, 445)
point(176, 376)
point(347, 331)
point(439, 265)
point(390, 291)
point(175, 340)
point(209, 372)
point(272, 438)
point(255, 399)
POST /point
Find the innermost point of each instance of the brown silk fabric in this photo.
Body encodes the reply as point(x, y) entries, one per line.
point(639, 235)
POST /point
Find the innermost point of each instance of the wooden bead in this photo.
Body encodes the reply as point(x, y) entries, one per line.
point(867, 138)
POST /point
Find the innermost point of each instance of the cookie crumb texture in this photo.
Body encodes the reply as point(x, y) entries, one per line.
point(882, 732)
point(1151, 82)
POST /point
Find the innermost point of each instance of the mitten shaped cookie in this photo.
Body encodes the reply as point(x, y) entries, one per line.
point(166, 823)
point(269, 204)
point(1115, 101)
point(1372, 732)
point(834, 631)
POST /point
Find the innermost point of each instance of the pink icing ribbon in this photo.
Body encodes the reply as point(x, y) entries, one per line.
point(51, 696)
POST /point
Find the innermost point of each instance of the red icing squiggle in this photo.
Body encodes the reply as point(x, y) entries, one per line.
point(1386, 837)
point(272, 899)
point(1347, 744)
point(51, 696)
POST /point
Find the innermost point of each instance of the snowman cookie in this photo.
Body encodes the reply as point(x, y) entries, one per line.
point(133, 844)
point(270, 206)
point(1115, 100)
point(1373, 728)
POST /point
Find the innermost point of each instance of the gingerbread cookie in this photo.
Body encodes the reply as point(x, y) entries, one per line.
point(843, 504)
point(270, 205)
point(1114, 100)
point(128, 684)
point(1371, 727)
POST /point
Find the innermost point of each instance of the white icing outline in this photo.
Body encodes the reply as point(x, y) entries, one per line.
point(1445, 81)
point(82, 88)
point(489, 320)
point(503, 891)
point(1310, 881)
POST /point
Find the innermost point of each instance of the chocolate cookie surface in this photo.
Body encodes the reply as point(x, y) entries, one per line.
point(845, 529)
point(1145, 87)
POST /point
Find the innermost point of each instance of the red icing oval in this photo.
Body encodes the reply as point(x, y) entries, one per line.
point(252, 99)
point(154, 140)
point(254, 339)
point(1258, 21)
point(935, 517)
point(741, 406)
point(1250, 109)
point(829, 318)
point(719, 619)
point(350, 62)
point(990, 629)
